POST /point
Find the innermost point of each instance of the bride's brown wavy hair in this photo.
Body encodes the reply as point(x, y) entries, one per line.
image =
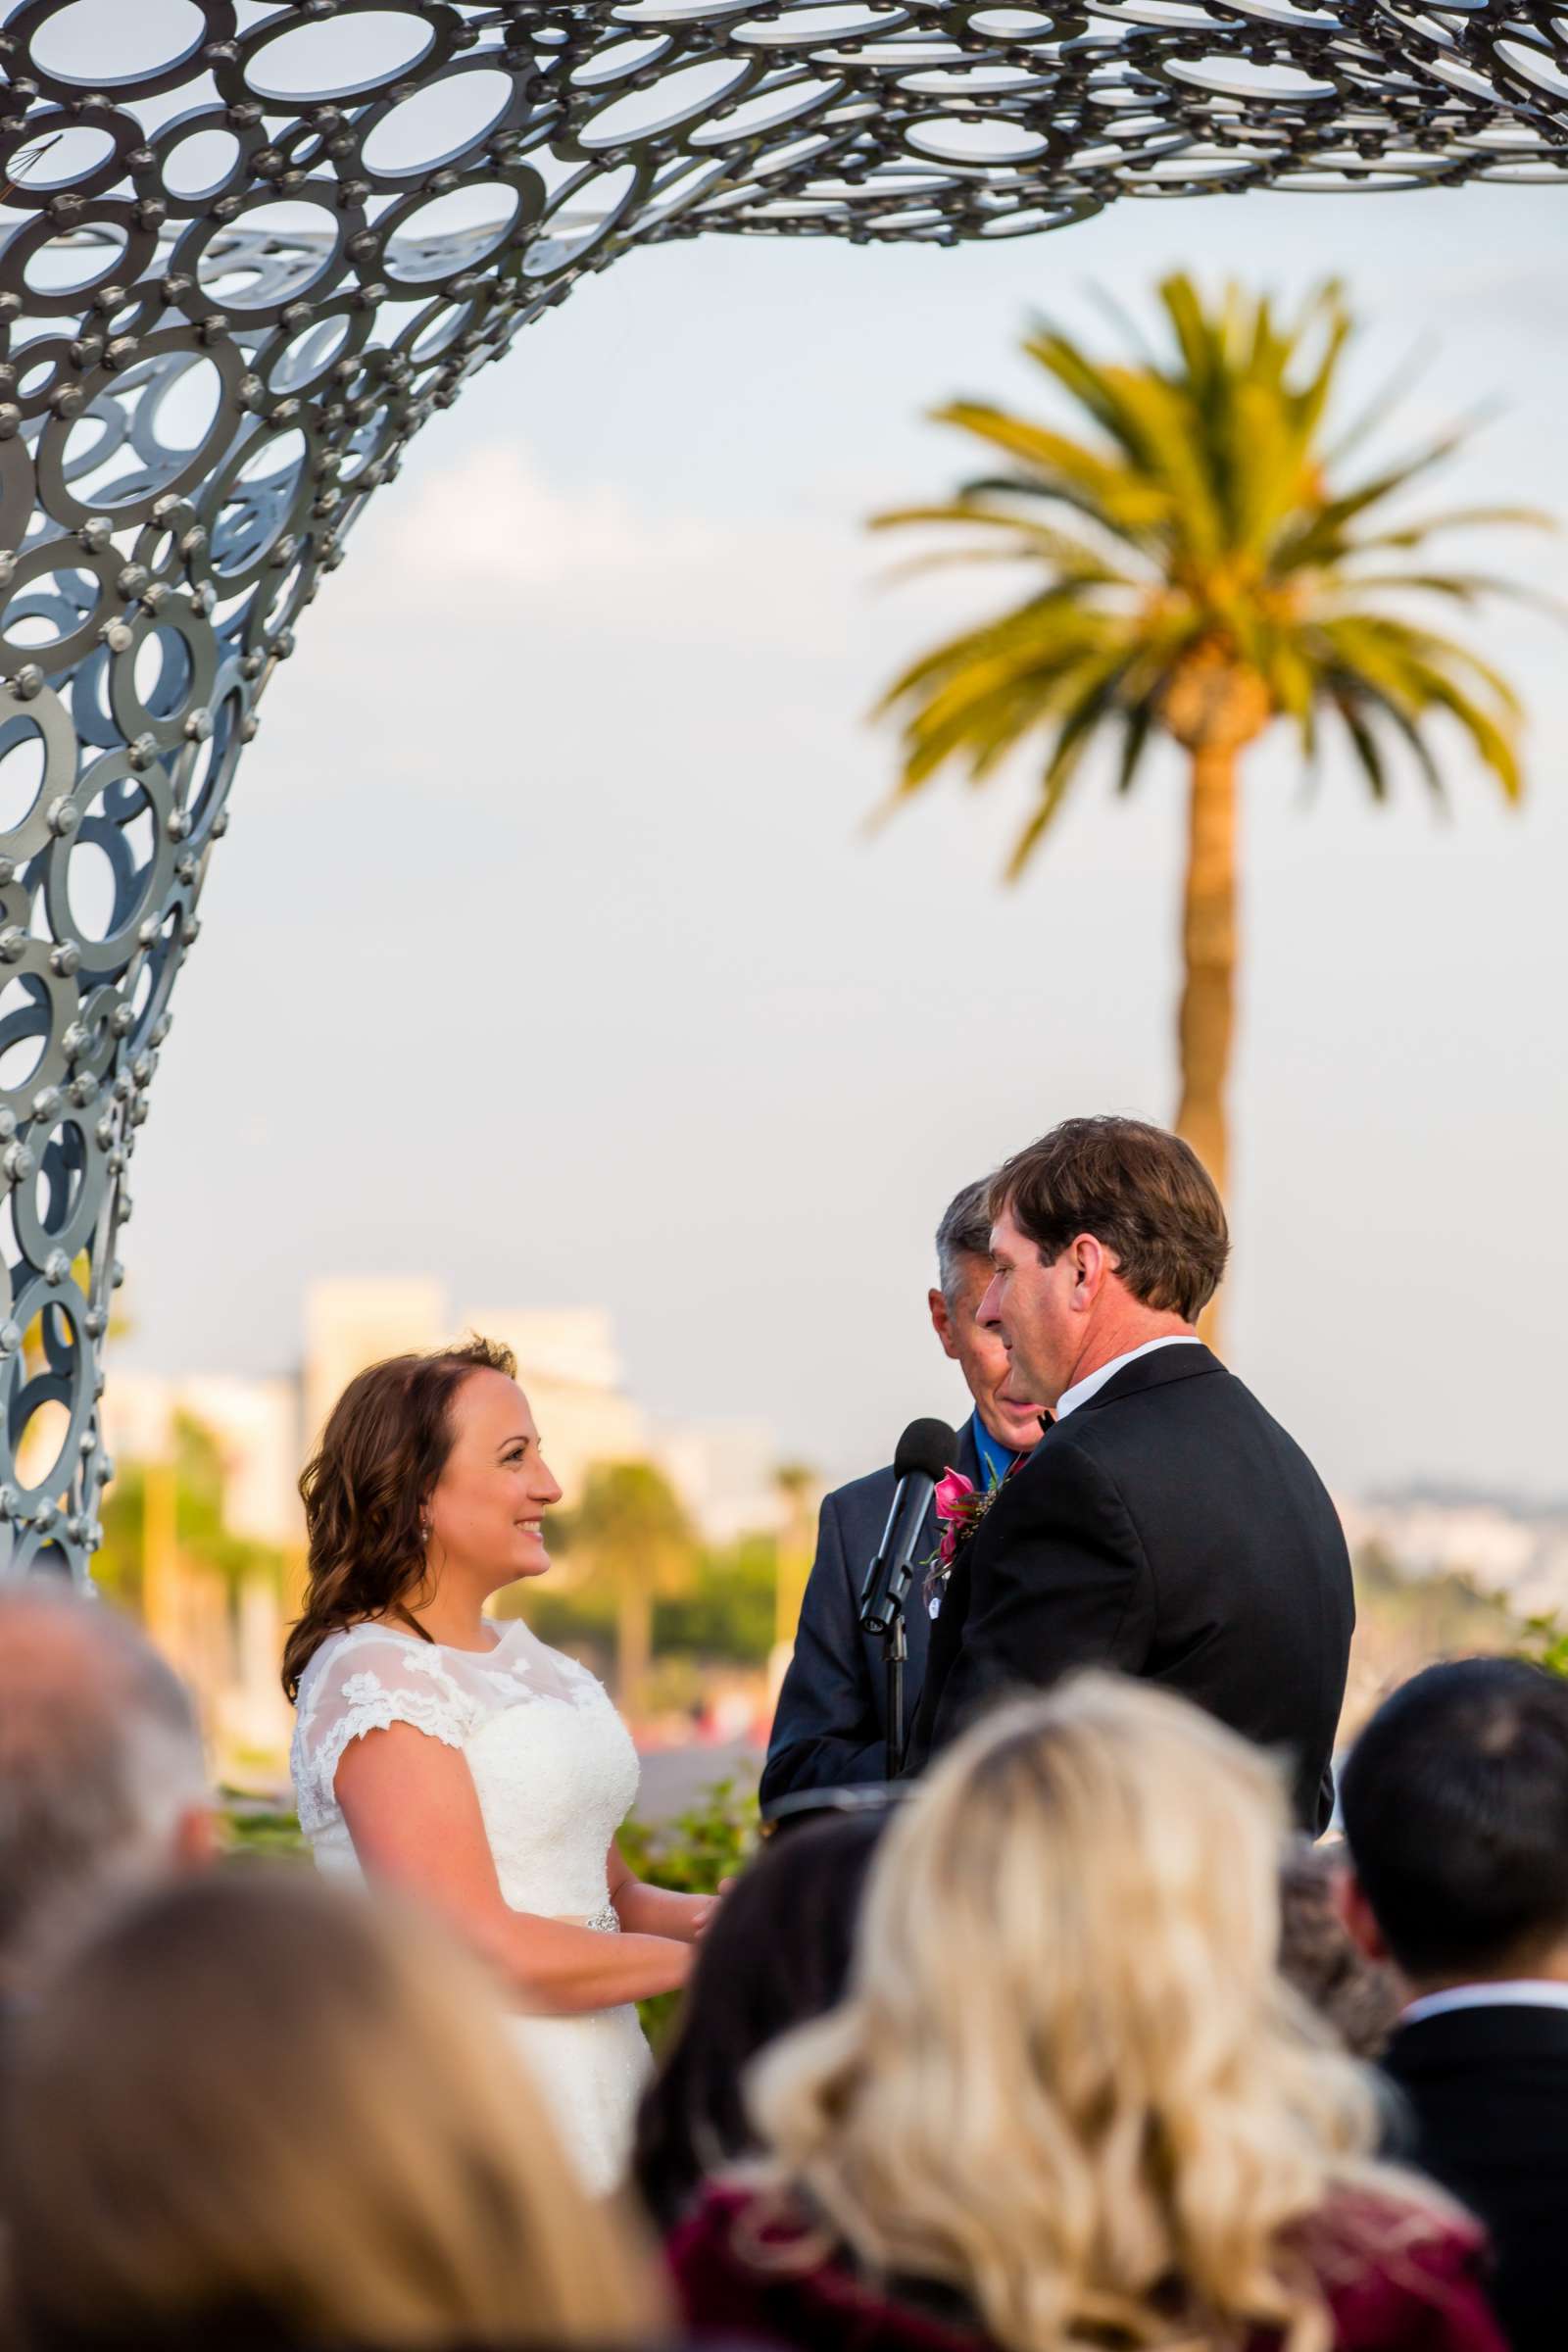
point(385, 1444)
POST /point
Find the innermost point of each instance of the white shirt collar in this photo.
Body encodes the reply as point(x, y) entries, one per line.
point(1513, 1992)
point(1091, 1385)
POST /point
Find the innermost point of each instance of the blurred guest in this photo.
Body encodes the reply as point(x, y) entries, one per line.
point(1069, 2101)
point(1358, 1996)
point(1455, 1805)
point(103, 1787)
point(263, 2113)
point(778, 1954)
point(831, 1727)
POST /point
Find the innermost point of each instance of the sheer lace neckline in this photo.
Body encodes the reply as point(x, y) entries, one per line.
point(452, 1649)
point(455, 1650)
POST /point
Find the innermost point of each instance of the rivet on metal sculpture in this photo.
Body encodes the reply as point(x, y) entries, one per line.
point(249, 248)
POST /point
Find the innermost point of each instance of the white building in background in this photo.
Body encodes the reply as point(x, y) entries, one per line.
point(350, 1323)
point(726, 1473)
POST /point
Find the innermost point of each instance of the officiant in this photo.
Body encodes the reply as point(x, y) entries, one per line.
point(830, 1730)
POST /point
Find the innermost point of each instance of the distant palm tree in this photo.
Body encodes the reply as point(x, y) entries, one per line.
point(630, 1530)
point(800, 1490)
point(1202, 569)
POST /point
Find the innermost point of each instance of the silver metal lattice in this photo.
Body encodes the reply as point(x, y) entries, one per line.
point(232, 287)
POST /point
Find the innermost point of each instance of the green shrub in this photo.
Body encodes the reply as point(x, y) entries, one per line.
point(712, 1840)
point(1545, 1644)
point(259, 1830)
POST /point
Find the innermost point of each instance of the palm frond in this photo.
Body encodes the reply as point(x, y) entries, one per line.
point(1361, 692)
point(1459, 587)
point(1037, 539)
point(1383, 403)
point(1417, 674)
point(1322, 533)
point(1364, 744)
point(1120, 498)
point(1459, 519)
point(1096, 698)
point(1140, 725)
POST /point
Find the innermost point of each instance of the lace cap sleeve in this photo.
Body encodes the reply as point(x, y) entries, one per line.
point(364, 1680)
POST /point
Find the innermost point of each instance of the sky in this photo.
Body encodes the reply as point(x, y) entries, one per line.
point(550, 953)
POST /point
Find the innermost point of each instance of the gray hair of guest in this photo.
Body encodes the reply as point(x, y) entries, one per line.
point(100, 1759)
point(964, 1232)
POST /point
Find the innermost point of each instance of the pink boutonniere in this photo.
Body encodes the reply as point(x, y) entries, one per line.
point(960, 1507)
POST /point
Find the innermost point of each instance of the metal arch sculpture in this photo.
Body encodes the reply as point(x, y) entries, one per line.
point(230, 291)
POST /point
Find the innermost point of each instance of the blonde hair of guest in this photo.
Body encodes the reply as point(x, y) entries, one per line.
point(1068, 2080)
point(261, 2097)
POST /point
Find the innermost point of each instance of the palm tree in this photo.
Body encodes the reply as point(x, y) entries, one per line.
point(1204, 566)
point(630, 1530)
point(800, 1490)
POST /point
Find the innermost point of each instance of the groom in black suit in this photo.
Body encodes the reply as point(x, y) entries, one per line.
point(830, 1730)
point(1164, 1526)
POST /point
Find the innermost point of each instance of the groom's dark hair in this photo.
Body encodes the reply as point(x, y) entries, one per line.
point(1138, 1190)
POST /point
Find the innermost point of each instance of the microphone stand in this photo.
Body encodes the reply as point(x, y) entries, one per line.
point(924, 1450)
point(895, 1652)
point(882, 1614)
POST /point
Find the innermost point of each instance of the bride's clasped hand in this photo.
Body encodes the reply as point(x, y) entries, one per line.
point(457, 1755)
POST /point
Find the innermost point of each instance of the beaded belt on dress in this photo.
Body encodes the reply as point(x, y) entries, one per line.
point(606, 1922)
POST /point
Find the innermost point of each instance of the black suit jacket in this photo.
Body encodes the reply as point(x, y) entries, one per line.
point(830, 1730)
point(1167, 1528)
point(1484, 2109)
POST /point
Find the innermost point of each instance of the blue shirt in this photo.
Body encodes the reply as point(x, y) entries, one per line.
point(995, 1459)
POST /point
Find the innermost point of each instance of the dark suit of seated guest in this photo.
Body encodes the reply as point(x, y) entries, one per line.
point(1455, 1806)
point(777, 1953)
point(830, 1730)
point(1066, 2101)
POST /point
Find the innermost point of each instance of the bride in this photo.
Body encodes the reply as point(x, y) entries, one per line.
point(457, 1755)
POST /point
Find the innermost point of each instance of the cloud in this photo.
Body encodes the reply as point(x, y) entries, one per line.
point(493, 528)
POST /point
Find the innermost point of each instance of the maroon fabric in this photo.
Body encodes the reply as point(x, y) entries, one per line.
point(1427, 2299)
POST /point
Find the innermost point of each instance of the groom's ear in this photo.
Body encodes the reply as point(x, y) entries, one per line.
point(1091, 1262)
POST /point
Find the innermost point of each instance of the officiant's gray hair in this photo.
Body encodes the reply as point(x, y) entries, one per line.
point(964, 1232)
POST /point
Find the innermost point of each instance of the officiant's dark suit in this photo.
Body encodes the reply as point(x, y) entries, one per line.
point(830, 1730)
point(1165, 1526)
point(831, 1727)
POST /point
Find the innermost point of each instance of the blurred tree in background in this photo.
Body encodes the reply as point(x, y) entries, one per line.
point(635, 1542)
point(153, 1508)
point(724, 1615)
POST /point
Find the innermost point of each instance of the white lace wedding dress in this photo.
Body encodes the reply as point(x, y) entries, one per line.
point(555, 1773)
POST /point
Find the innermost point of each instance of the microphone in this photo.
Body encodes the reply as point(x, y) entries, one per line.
point(925, 1452)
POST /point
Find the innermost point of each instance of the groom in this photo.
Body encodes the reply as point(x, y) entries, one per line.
point(1164, 1526)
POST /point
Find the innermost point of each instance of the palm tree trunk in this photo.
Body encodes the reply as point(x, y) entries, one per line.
point(634, 1642)
point(1206, 1022)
